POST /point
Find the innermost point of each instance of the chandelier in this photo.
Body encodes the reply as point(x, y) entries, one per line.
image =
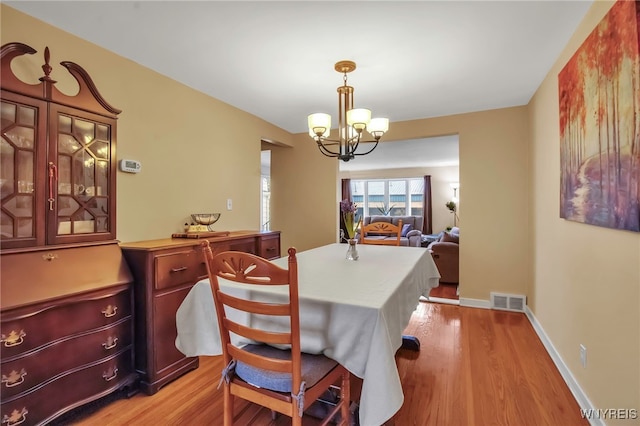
point(351, 123)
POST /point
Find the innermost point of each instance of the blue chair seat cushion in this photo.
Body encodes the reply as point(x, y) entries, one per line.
point(314, 368)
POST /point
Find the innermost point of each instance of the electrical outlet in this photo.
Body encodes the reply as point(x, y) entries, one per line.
point(583, 355)
point(229, 204)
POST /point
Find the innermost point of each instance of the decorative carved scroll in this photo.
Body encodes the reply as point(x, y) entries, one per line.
point(88, 97)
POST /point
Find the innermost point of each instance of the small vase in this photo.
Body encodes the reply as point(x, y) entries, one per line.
point(352, 250)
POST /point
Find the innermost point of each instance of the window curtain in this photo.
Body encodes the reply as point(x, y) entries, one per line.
point(426, 207)
point(346, 189)
point(346, 195)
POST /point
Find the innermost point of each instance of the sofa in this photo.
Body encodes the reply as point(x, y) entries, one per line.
point(445, 253)
point(412, 227)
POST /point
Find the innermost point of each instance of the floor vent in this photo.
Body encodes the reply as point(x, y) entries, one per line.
point(508, 302)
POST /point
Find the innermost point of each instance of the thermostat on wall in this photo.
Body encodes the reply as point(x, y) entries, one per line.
point(130, 166)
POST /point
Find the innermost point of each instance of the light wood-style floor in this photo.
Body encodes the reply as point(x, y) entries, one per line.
point(475, 367)
point(445, 291)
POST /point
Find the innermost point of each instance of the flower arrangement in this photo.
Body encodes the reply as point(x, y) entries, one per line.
point(349, 209)
point(451, 205)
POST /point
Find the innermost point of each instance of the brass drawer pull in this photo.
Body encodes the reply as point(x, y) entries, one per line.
point(14, 378)
point(15, 418)
point(110, 311)
point(110, 374)
point(183, 268)
point(110, 343)
point(14, 338)
point(49, 256)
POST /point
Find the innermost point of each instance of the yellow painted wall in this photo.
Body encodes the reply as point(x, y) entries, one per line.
point(586, 279)
point(195, 151)
point(493, 176)
point(304, 195)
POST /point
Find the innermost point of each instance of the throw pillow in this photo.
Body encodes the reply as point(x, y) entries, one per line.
point(447, 237)
point(406, 228)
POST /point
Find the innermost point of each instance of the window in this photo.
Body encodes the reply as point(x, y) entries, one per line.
point(389, 197)
point(265, 215)
point(265, 190)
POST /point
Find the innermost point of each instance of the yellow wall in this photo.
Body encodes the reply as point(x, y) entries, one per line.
point(195, 151)
point(304, 195)
point(586, 279)
point(494, 250)
point(493, 177)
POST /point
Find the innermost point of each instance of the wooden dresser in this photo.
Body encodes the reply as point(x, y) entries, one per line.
point(164, 272)
point(68, 339)
point(66, 306)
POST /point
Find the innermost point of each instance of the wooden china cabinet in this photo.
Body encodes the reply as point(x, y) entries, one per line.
point(66, 306)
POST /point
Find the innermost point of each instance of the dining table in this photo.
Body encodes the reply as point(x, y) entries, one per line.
point(354, 312)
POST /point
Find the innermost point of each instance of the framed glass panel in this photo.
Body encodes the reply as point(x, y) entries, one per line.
point(375, 198)
point(416, 194)
point(397, 203)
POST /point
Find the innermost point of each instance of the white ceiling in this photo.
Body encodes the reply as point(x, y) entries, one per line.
point(415, 59)
point(431, 152)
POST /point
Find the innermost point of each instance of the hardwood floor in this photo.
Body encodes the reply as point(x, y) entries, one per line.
point(475, 367)
point(445, 291)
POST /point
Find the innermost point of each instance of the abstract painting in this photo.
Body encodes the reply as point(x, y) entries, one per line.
point(599, 97)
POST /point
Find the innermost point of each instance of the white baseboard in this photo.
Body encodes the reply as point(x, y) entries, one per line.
point(475, 303)
point(572, 383)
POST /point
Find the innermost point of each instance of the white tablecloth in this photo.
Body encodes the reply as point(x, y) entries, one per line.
point(351, 311)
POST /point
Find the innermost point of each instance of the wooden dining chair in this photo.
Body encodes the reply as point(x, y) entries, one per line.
point(283, 380)
point(381, 233)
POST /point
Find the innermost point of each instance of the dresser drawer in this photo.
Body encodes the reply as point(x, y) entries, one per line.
point(247, 245)
point(22, 332)
point(61, 395)
point(25, 372)
point(270, 248)
point(178, 267)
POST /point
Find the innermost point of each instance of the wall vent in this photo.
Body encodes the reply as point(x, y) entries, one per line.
point(508, 302)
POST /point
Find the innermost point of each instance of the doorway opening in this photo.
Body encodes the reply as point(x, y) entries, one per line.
point(265, 190)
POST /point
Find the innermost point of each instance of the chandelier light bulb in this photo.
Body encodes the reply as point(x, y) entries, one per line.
point(324, 135)
point(319, 124)
point(378, 127)
point(349, 133)
point(358, 118)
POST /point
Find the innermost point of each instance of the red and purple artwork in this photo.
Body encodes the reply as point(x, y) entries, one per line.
point(599, 95)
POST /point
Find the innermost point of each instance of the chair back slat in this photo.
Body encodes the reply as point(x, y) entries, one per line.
point(384, 229)
point(254, 307)
point(258, 335)
point(266, 363)
point(249, 269)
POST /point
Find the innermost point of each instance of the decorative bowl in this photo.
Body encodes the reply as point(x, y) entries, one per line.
point(207, 219)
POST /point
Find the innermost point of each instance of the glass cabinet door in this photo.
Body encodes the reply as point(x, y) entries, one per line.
point(83, 172)
point(19, 162)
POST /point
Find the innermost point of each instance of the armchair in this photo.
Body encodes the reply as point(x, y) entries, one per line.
point(445, 252)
